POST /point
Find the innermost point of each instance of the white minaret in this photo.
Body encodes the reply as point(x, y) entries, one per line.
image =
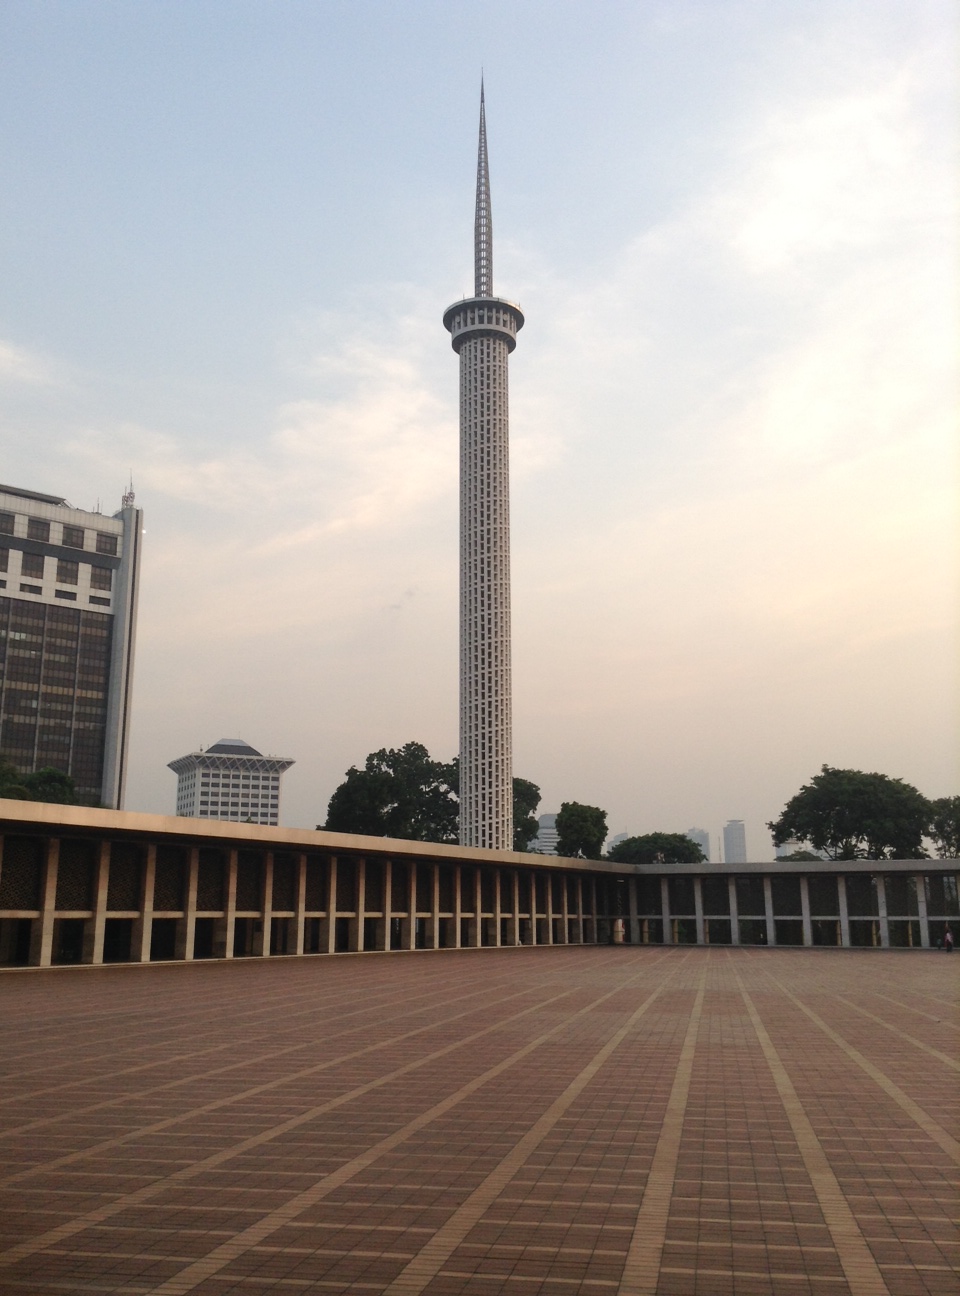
point(483, 332)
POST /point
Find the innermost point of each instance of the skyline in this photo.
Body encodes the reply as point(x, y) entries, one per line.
point(734, 522)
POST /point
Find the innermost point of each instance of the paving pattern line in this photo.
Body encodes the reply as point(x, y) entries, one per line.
point(911, 1039)
point(917, 1012)
point(217, 1104)
point(940, 1136)
point(224, 1254)
point(96, 1216)
point(641, 1270)
point(860, 1268)
point(168, 1060)
point(198, 1076)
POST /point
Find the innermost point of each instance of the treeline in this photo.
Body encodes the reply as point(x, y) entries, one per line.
point(842, 814)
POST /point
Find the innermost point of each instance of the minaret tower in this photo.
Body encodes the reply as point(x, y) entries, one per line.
point(483, 331)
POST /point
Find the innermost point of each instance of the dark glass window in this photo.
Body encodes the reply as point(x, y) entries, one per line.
point(37, 529)
point(901, 895)
point(648, 896)
point(286, 878)
point(4, 559)
point(72, 537)
point(67, 572)
point(106, 544)
point(32, 565)
point(6, 524)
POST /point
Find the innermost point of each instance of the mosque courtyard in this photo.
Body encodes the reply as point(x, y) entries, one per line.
point(527, 1121)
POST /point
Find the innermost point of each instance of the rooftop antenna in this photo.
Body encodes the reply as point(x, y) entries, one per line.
point(129, 497)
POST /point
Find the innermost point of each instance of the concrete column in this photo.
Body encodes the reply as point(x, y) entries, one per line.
point(143, 926)
point(844, 915)
point(497, 879)
point(230, 908)
point(360, 900)
point(41, 936)
point(922, 912)
point(93, 933)
point(433, 937)
point(329, 944)
point(261, 944)
point(698, 911)
point(882, 911)
point(410, 931)
point(665, 906)
point(734, 915)
point(532, 887)
point(634, 919)
point(186, 932)
point(768, 911)
point(805, 910)
point(475, 927)
point(457, 905)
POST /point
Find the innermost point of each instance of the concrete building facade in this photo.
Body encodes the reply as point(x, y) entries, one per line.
point(230, 780)
point(79, 885)
point(69, 585)
point(702, 839)
point(483, 331)
point(734, 842)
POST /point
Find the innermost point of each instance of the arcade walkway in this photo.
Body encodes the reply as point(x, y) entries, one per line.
point(527, 1121)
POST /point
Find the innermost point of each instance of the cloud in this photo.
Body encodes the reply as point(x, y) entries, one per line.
point(18, 365)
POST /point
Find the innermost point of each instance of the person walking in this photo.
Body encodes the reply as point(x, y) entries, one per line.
point(948, 940)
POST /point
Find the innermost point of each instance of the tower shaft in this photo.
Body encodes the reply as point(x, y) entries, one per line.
point(483, 332)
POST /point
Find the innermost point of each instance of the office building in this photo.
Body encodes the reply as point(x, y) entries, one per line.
point(69, 583)
point(230, 780)
point(545, 842)
point(483, 331)
point(734, 842)
point(702, 838)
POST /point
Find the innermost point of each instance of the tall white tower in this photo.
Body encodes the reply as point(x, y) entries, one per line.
point(483, 331)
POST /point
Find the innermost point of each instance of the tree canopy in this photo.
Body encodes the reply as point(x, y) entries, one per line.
point(852, 815)
point(944, 826)
point(526, 798)
point(581, 830)
point(656, 847)
point(403, 792)
point(47, 784)
point(400, 792)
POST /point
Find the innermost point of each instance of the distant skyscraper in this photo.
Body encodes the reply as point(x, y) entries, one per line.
point(483, 332)
point(545, 842)
point(702, 838)
point(68, 621)
point(230, 780)
point(734, 842)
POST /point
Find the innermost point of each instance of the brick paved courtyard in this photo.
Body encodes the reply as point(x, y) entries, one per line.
point(524, 1121)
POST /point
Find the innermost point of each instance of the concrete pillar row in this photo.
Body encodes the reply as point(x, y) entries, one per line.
point(882, 912)
point(41, 943)
point(698, 910)
point(768, 911)
point(143, 926)
point(734, 911)
point(805, 910)
point(301, 903)
point(844, 913)
point(922, 912)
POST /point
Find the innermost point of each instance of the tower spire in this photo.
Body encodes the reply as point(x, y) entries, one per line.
point(483, 223)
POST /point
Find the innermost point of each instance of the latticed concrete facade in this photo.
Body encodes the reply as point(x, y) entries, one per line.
point(483, 332)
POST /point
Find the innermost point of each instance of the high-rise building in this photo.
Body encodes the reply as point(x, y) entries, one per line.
point(545, 842)
point(734, 842)
point(69, 582)
point(230, 780)
point(702, 838)
point(483, 331)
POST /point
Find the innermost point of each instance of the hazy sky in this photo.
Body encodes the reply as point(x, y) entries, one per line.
point(229, 232)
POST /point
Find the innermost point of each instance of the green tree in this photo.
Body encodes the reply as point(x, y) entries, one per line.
point(581, 830)
point(51, 785)
point(399, 793)
point(800, 857)
point(672, 848)
point(944, 827)
point(852, 815)
point(11, 782)
point(526, 798)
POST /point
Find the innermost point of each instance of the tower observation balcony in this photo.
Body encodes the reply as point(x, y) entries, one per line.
point(477, 317)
